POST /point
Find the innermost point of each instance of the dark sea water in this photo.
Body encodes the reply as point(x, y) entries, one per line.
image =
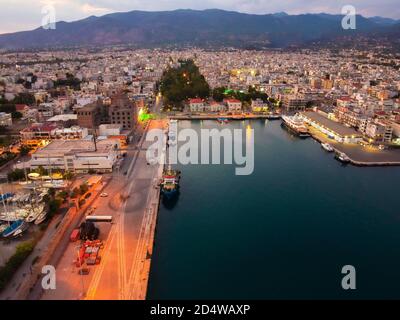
point(284, 232)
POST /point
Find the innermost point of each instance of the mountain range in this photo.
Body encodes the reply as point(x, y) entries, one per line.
point(206, 28)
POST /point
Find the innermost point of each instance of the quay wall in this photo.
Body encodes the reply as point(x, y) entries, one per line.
point(357, 162)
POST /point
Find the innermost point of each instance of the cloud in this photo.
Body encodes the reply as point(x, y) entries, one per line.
point(15, 19)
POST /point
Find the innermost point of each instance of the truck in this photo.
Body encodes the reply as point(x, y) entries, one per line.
point(75, 235)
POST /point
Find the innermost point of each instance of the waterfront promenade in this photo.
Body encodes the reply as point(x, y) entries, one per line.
point(211, 116)
point(361, 155)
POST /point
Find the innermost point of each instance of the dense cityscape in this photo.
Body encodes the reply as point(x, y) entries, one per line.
point(77, 189)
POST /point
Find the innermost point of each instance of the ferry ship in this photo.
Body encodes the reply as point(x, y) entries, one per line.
point(296, 125)
point(170, 182)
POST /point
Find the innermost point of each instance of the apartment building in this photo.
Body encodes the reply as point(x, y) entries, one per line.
point(196, 105)
point(294, 102)
point(122, 111)
point(380, 131)
point(234, 105)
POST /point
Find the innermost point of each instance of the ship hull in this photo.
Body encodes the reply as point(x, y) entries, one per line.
point(302, 135)
point(169, 194)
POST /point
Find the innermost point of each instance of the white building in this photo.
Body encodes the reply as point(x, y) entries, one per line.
point(196, 105)
point(110, 129)
point(5, 119)
point(215, 107)
point(234, 105)
point(72, 133)
point(76, 156)
point(380, 131)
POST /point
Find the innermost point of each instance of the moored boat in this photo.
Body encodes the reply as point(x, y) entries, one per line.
point(35, 212)
point(273, 116)
point(13, 228)
point(223, 120)
point(340, 156)
point(327, 147)
point(170, 182)
point(20, 230)
point(41, 217)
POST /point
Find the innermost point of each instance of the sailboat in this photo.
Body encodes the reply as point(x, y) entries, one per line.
point(41, 217)
point(35, 212)
point(14, 215)
point(14, 227)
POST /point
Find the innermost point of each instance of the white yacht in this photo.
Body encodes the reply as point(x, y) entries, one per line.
point(327, 147)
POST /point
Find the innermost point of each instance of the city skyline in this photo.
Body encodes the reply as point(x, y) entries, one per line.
point(72, 10)
point(246, 152)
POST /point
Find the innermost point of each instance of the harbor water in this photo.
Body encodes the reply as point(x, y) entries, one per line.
point(283, 232)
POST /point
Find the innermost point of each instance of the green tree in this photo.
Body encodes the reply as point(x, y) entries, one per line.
point(218, 94)
point(75, 193)
point(24, 150)
point(184, 82)
point(16, 115)
point(24, 98)
point(83, 188)
point(16, 175)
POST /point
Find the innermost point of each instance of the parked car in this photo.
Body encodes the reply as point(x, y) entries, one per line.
point(104, 194)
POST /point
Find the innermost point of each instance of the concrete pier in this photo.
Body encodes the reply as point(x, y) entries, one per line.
point(360, 155)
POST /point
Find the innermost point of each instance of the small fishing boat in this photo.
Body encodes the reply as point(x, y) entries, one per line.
point(13, 228)
point(35, 212)
point(273, 116)
point(343, 158)
point(6, 196)
point(20, 230)
point(41, 217)
point(327, 147)
point(14, 215)
point(223, 120)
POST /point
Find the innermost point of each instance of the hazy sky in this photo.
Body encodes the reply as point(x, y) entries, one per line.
point(17, 15)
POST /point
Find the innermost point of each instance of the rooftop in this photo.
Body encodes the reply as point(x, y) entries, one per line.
point(76, 146)
point(40, 127)
point(330, 124)
point(196, 100)
point(63, 117)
